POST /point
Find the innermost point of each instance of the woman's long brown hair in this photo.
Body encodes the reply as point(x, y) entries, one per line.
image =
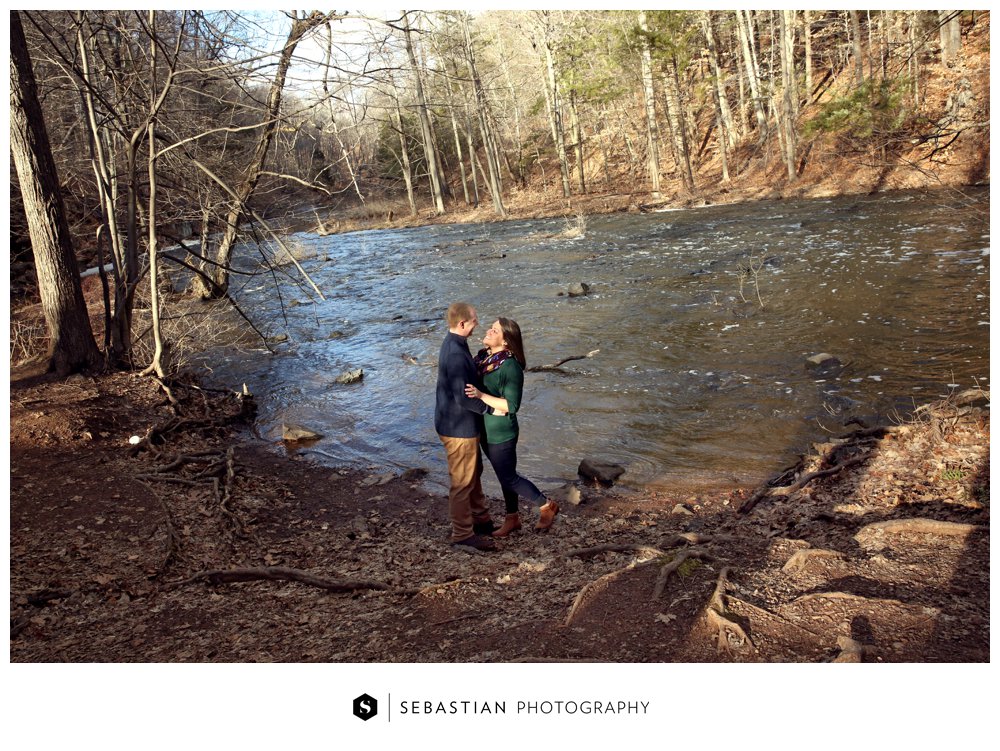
point(512, 335)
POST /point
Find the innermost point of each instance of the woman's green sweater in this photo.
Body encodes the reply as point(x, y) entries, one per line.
point(506, 382)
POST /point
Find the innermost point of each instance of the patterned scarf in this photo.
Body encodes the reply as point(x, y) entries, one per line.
point(487, 363)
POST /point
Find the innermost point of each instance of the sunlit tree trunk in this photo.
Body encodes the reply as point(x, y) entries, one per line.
point(859, 63)
point(789, 93)
point(649, 99)
point(951, 34)
point(750, 66)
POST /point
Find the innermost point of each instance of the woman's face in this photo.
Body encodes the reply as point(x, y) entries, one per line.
point(494, 337)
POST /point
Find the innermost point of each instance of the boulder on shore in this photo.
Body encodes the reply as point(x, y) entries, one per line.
point(291, 432)
point(603, 472)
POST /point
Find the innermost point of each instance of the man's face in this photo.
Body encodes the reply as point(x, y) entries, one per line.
point(467, 327)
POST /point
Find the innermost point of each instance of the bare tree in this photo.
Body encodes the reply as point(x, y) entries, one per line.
point(71, 339)
point(219, 286)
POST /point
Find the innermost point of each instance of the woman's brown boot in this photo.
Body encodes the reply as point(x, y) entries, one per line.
point(547, 515)
point(511, 523)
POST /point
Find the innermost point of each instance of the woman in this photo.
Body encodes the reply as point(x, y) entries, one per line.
point(501, 369)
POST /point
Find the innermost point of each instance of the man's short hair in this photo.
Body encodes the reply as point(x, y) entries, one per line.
point(458, 312)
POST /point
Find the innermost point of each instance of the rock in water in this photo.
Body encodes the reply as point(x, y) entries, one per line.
point(291, 432)
point(603, 472)
point(578, 289)
point(351, 376)
point(824, 364)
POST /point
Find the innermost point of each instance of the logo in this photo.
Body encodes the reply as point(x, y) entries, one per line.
point(365, 707)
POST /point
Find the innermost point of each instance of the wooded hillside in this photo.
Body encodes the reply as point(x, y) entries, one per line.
point(431, 116)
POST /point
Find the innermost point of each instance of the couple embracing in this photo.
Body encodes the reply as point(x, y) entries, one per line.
point(476, 408)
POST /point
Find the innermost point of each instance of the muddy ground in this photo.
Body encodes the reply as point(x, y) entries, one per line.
point(126, 553)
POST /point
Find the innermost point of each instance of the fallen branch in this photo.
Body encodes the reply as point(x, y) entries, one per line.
point(280, 573)
point(767, 492)
point(555, 367)
point(173, 539)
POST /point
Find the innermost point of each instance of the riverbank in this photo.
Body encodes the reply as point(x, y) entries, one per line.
point(204, 544)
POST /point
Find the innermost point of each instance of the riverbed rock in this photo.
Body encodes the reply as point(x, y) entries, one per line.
point(351, 376)
point(603, 472)
point(279, 339)
point(293, 433)
point(578, 289)
point(823, 363)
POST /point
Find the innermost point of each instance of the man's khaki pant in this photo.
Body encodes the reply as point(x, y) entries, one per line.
point(466, 500)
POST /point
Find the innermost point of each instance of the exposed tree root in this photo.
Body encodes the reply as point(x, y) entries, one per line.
point(722, 620)
point(672, 566)
point(918, 526)
point(281, 573)
point(592, 589)
point(801, 558)
point(851, 650)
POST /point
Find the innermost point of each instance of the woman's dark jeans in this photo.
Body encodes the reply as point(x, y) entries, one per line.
point(503, 457)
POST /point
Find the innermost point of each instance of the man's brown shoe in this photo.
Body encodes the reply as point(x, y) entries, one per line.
point(511, 523)
point(547, 515)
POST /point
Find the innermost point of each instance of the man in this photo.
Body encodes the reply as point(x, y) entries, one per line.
point(457, 420)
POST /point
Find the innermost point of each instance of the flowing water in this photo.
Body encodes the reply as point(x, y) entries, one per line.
point(692, 387)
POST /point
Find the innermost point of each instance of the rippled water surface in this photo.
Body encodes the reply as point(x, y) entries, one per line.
point(692, 386)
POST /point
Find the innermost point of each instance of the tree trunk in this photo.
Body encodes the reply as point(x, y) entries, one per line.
point(574, 117)
point(753, 79)
point(556, 108)
point(483, 115)
point(951, 34)
point(807, 38)
point(220, 287)
point(789, 94)
point(71, 339)
point(161, 359)
point(727, 132)
point(859, 63)
point(430, 149)
point(649, 99)
point(678, 128)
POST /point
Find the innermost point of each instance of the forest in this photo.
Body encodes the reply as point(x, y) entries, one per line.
point(135, 131)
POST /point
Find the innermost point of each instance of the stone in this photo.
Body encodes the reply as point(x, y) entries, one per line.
point(278, 339)
point(682, 510)
point(568, 493)
point(351, 376)
point(822, 361)
point(292, 432)
point(603, 472)
point(579, 289)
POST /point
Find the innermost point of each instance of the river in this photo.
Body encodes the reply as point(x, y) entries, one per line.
point(699, 382)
